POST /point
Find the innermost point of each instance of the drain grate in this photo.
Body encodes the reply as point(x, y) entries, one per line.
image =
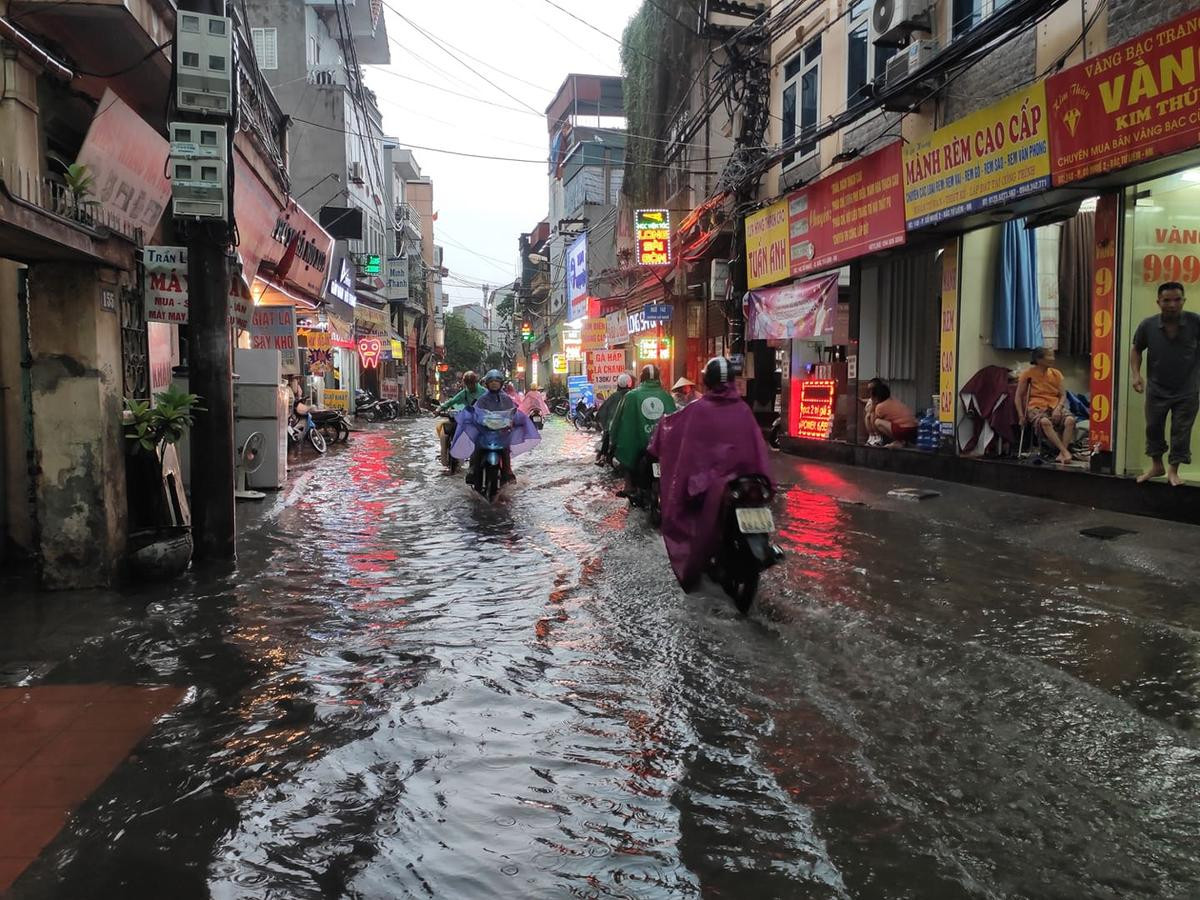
point(1106, 532)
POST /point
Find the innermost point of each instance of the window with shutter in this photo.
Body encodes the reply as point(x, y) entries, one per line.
point(266, 47)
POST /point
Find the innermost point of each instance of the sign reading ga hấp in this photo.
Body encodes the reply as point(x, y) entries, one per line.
point(986, 159)
point(1133, 102)
point(767, 258)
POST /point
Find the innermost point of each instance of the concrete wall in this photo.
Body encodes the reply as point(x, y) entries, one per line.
point(79, 444)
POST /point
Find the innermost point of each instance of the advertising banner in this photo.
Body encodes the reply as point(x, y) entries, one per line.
point(315, 340)
point(1104, 309)
point(300, 249)
point(607, 366)
point(389, 389)
point(577, 279)
point(559, 363)
point(767, 245)
point(616, 327)
point(164, 355)
point(1136, 101)
point(594, 334)
point(800, 310)
point(948, 349)
point(166, 284)
point(166, 289)
point(273, 328)
point(856, 211)
point(988, 158)
point(369, 320)
point(397, 278)
point(337, 398)
point(653, 230)
point(126, 157)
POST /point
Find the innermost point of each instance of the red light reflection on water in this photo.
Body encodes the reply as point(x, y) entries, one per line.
point(372, 455)
point(812, 528)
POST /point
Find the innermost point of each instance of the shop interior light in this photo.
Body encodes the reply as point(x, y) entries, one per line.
point(1089, 204)
point(1192, 175)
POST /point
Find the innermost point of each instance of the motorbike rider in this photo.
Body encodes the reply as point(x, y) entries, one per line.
point(641, 410)
point(700, 450)
point(533, 401)
point(472, 391)
point(493, 399)
point(684, 391)
point(608, 412)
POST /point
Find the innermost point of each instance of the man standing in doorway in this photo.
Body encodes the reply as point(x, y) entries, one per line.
point(1171, 338)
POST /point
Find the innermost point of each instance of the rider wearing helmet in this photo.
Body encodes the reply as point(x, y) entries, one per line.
point(494, 399)
point(471, 392)
point(640, 411)
point(607, 413)
point(700, 450)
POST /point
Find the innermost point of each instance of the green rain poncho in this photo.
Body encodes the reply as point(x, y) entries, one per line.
point(639, 413)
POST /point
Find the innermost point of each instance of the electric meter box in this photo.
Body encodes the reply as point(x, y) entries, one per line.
point(199, 166)
point(204, 64)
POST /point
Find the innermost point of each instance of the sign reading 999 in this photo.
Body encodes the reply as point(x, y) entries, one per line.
point(577, 279)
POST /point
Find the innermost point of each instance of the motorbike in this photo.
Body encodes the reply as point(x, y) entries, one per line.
point(561, 407)
point(495, 432)
point(646, 492)
point(535, 417)
point(373, 409)
point(446, 426)
point(412, 406)
point(332, 425)
point(301, 428)
point(585, 420)
point(746, 549)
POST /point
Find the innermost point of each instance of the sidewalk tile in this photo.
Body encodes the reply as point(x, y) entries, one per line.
point(49, 787)
point(101, 749)
point(24, 832)
point(19, 747)
point(32, 715)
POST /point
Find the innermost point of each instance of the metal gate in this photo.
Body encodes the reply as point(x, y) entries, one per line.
point(135, 347)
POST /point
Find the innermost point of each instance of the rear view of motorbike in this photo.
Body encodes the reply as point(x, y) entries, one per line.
point(746, 550)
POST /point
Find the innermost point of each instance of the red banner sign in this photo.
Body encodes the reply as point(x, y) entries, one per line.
point(1133, 102)
point(856, 211)
point(1104, 305)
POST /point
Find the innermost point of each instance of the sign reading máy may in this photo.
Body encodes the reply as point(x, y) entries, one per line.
point(767, 245)
point(1133, 102)
point(986, 159)
point(166, 289)
point(857, 210)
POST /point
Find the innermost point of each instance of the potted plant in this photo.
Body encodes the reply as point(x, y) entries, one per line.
point(160, 540)
point(79, 181)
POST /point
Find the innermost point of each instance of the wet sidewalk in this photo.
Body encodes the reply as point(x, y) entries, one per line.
point(403, 691)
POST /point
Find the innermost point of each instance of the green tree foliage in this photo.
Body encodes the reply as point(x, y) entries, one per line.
point(464, 345)
point(657, 59)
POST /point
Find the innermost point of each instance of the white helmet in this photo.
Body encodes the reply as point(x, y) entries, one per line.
point(624, 381)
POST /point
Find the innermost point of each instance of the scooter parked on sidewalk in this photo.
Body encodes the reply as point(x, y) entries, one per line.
point(746, 548)
point(302, 428)
point(332, 424)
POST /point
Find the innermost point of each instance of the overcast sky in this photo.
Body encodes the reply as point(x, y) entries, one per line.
point(484, 205)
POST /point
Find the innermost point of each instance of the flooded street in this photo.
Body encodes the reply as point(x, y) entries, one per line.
point(405, 692)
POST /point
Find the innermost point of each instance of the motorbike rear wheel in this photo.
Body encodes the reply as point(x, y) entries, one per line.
point(317, 440)
point(743, 589)
point(491, 482)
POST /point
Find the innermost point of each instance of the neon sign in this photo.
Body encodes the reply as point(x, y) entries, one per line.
point(817, 398)
point(370, 351)
point(654, 348)
point(653, 227)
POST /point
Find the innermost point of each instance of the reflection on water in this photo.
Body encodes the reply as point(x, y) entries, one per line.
point(406, 691)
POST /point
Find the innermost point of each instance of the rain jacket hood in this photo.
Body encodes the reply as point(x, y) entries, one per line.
point(700, 449)
point(642, 409)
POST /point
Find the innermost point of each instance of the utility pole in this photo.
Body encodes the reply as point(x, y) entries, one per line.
point(210, 365)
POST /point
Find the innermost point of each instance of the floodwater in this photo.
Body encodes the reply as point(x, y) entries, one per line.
point(405, 692)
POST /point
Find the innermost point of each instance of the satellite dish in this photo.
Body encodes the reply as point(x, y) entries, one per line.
point(250, 460)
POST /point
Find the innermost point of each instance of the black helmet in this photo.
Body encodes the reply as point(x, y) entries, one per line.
point(649, 373)
point(493, 375)
point(717, 371)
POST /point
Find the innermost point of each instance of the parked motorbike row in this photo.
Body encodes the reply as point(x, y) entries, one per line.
point(376, 409)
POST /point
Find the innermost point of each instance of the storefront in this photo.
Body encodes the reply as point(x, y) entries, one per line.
point(1046, 220)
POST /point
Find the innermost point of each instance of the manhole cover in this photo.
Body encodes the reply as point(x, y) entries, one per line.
point(1106, 532)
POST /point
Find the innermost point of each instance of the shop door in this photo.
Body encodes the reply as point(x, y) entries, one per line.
point(1162, 243)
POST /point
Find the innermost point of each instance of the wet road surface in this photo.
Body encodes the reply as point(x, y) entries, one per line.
point(404, 692)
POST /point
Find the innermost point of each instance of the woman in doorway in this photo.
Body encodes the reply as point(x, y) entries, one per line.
point(889, 421)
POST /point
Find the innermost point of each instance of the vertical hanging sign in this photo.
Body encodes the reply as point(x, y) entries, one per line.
point(947, 358)
point(1104, 304)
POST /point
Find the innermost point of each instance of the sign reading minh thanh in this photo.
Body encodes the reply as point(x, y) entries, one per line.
point(986, 159)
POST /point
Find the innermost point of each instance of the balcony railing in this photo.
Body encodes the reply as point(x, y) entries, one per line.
point(328, 76)
point(57, 199)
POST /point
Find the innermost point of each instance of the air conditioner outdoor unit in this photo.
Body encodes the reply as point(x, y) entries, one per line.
point(909, 60)
point(894, 21)
point(356, 172)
